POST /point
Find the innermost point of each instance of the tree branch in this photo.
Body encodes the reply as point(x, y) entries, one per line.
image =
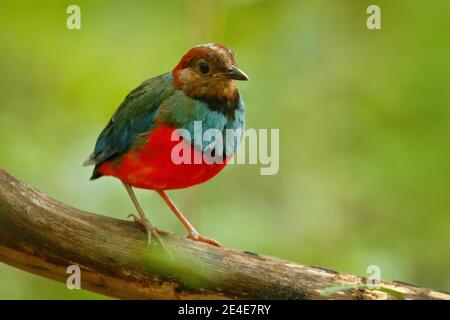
point(43, 236)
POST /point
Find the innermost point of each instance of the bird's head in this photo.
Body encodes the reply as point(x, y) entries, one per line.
point(208, 71)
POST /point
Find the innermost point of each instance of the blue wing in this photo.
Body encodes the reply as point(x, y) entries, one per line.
point(133, 117)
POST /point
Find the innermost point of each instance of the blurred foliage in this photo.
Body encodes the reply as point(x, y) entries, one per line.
point(363, 116)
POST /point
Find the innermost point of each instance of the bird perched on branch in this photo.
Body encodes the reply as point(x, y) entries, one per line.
point(138, 146)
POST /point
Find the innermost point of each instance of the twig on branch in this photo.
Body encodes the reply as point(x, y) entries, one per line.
point(43, 236)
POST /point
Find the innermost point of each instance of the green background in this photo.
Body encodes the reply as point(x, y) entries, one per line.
point(363, 116)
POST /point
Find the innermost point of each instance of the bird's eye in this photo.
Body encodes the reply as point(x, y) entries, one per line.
point(203, 67)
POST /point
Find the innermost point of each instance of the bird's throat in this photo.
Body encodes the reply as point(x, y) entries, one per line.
point(219, 94)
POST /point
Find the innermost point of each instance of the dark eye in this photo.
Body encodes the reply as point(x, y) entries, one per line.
point(203, 67)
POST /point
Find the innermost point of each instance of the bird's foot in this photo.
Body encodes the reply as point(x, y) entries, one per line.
point(197, 237)
point(151, 231)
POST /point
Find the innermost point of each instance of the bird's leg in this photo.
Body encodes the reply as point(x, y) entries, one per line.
point(192, 233)
point(151, 231)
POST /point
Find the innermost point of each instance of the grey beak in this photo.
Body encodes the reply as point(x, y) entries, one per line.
point(236, 74)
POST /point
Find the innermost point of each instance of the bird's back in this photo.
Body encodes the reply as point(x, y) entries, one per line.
point(133, 117)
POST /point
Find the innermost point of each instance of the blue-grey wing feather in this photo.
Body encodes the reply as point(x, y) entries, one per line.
point(133, 117)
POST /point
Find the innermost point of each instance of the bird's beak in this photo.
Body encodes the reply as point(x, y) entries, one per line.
point(236, 74)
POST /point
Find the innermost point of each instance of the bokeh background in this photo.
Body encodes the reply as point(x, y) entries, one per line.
point(364, 121)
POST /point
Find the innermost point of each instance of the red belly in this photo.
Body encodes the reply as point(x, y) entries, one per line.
point(151, 167)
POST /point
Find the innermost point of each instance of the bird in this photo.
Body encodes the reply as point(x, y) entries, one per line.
point(137, 144)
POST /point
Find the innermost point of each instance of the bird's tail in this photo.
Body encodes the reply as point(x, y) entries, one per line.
point(89, 161)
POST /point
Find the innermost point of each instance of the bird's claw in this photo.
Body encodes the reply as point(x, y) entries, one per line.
point(135, 218)
point(151, 232)
point(200, 238)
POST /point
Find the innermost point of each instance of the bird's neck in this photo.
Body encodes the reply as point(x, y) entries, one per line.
point(220, 95)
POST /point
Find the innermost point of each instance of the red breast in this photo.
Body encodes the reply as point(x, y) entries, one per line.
point(150, 166)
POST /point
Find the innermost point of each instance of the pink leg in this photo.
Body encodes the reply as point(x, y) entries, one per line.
point(192, 233)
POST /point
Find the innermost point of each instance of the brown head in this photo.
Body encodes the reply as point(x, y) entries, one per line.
point(208, 71)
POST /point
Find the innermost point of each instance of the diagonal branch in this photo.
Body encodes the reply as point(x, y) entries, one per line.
point(43, 236)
